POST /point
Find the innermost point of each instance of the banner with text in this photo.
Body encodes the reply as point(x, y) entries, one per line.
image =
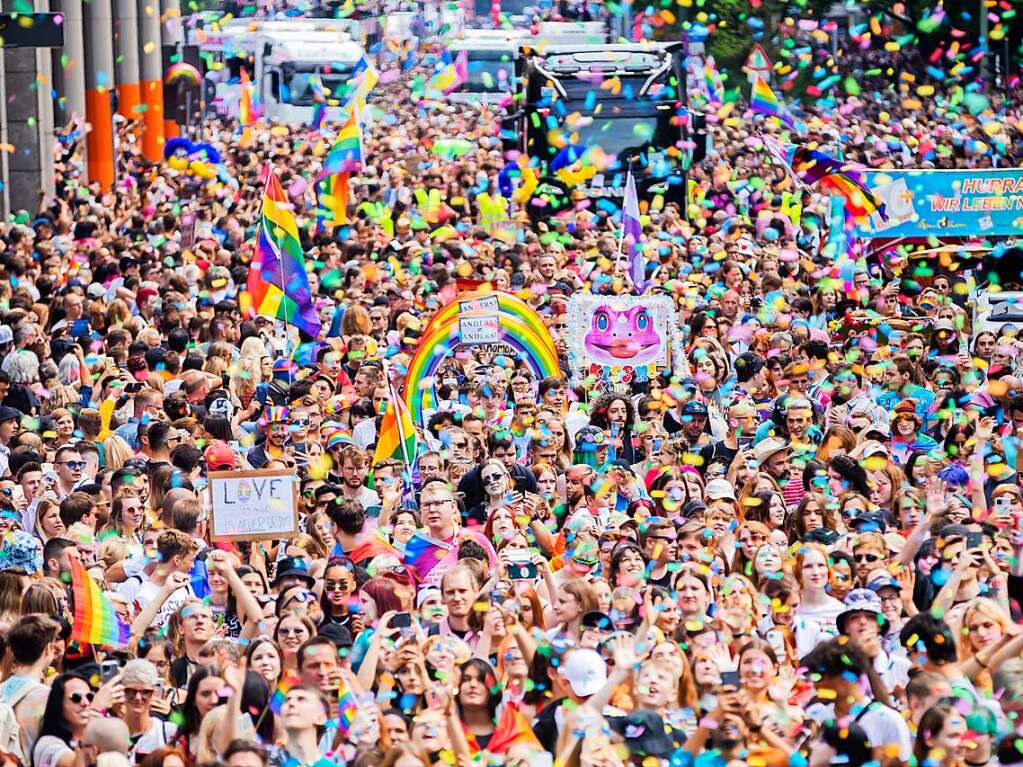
point(946, 203)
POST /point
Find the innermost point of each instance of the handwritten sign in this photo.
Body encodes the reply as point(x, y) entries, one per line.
point(253, 505)
point(479, 321)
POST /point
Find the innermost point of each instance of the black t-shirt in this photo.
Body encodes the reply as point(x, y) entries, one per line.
point(717, 452)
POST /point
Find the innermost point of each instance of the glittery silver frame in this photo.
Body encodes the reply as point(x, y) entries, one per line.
point(580, 313)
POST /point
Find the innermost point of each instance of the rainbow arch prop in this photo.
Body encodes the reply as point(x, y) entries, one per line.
point(520, 327)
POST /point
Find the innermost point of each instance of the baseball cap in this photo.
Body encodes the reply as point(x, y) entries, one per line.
point(219, 455)
point(718, 489)
point(585, 672)
point(595, 619)
point(6, 334)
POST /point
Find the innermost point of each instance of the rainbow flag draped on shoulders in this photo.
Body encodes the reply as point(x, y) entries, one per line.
point(95, 620)
point(278, 284)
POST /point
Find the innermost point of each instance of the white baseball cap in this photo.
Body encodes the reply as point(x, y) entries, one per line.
point(585, 672)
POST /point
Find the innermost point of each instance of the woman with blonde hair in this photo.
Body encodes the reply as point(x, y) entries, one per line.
point(988, 638)
point(48, 522)
point(574, 599)
point(246, 376)
point(117, 452)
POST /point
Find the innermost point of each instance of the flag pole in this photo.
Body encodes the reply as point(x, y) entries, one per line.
point(397, 415)
point(621, 233)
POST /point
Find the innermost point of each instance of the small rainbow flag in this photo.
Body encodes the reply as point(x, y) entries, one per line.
point(765, 102)
point(287, 681)
point(713, 81)
point(95, 620)
point(373, 546)
point(347, 707)
point(346, 154)
point(397, 440)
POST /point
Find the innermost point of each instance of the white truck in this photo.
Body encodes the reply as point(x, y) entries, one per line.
point(286, 61)
point(490, 55)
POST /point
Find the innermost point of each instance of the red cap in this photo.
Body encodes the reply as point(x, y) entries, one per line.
point(144, 295)
point(219, 455)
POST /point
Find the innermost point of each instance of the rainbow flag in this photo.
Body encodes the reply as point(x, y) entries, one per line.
point(765, 102)
point(373, 546)
point(712, 79)
point(278, 283)
point(810, 167)
point(397, 439)
point(95, 620)
point(422, 553)
point(347, 707)
point(333, 195)
point(287, 681)
point(512, 727)
point(346, 154)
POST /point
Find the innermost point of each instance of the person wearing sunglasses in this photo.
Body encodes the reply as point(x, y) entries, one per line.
point(869, 551)
point(69, 464)
point(68, 711)
point(141, 683)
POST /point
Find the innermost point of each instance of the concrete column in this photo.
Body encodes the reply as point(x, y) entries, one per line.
point(126, 59)
point(72, 86)
point(173, 38)
point(26, 123)
point(99, 81)
point(150, 52)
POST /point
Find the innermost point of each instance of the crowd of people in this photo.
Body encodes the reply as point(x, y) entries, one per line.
point(806, 549)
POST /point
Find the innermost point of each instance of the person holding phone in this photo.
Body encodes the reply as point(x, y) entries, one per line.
point(141, 683)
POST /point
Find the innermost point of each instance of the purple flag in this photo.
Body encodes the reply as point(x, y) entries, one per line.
point(632, 234)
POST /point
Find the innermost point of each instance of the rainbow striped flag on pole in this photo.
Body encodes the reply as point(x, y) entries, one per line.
point(95, 620)
point(346, 154)
point(397, 440)
point(764, 102)
point(278, 284)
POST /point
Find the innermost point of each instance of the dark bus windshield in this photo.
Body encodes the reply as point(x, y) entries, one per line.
point(508, 7)
point(489, 72)
point(299, 85)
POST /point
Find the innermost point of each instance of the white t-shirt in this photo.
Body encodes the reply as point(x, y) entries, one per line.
point(141, 594)
point(885, 727)
point(159, 734)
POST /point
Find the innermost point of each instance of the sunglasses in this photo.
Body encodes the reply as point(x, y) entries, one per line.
point(78, 698)
point(336, 586)
point(140, 694)
point(73, 465)
point(492, 478)
point(866, 557)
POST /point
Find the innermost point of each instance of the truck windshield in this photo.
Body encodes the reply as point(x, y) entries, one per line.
point(489, 72)
point(508, 7)
point(299, 83)
point(623, 135)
